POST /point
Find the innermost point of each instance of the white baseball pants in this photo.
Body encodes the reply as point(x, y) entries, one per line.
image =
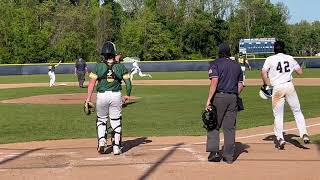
point(109, 106)
point(281, 93)
point(52, 77)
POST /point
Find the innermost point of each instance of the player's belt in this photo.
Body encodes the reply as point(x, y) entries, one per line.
point(221, 92)
point(283, 82)
point(102, 91)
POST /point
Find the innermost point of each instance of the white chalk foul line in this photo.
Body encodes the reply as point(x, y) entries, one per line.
point(187, 149)
point(263, 134)
point(97, 159)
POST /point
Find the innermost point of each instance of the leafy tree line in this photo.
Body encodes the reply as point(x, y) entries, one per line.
point(40, 31)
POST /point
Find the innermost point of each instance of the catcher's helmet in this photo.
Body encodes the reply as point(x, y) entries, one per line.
point(265, 92)
point(109, 48)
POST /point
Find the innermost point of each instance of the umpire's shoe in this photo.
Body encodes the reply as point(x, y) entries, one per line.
point(214, 157)
point(281, 144)
point(228, 161)
point(306, 139)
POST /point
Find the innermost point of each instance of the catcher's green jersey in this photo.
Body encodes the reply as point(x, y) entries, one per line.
point(110, 77)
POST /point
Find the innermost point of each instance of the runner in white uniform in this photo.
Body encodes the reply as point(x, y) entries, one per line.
point(136, 69)
point(279, 68)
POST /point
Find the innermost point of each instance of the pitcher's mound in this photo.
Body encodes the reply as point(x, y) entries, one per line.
point(76, 98)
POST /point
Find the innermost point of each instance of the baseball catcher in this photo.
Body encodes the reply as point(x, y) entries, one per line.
point(88, 108)
point(209, 118)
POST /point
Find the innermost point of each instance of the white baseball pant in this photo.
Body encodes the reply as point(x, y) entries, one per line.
point(109, 106)
point(281, 93)
point(52, 77)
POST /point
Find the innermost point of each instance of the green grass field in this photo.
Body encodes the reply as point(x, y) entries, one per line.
point(161, 111)
point(308, 73)
point(315, 139)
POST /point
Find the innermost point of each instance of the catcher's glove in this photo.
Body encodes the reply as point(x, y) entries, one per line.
point(209, 118)
point(88, 108)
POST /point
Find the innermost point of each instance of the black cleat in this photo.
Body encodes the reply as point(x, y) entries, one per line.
point(281, 143)
point(227, 161)
point(214, 157)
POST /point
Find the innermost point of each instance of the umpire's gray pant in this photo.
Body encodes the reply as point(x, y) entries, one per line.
point(81, 77)
point(226, 105)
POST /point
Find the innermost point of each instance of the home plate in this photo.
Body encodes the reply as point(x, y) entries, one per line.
point(97, 159)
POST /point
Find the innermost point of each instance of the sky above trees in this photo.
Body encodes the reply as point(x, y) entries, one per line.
point(302, 10)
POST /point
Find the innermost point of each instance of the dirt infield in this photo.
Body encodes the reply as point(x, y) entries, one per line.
point(182, 157)
point(164, 158)
point(187, 82)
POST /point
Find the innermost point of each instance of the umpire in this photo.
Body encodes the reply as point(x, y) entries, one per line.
point(225, 86)
point(80, 69)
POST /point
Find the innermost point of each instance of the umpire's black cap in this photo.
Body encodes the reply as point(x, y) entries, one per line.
point(224, 50)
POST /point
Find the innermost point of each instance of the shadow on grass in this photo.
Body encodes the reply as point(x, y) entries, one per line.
point(290, 138)
point(18, 156)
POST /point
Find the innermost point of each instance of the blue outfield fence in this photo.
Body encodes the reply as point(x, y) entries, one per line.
point(154, 66)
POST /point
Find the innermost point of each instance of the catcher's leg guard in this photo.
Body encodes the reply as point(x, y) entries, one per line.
point(101, 134)
point(116, 132)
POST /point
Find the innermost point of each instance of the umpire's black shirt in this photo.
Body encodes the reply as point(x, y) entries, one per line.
point(81, 65)
point(229, 74)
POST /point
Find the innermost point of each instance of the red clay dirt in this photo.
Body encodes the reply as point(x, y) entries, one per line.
point(182, 157)
point(187, 82)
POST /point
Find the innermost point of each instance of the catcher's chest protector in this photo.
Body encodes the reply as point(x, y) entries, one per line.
point(109, 75)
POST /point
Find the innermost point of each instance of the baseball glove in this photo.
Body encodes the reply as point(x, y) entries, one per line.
point(88, 108)
point(209, 119)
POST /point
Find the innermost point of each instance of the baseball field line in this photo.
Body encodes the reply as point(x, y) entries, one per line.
point(268, 133)
point(185, 82)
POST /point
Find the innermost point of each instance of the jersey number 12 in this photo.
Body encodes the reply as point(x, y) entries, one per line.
point(285, 67)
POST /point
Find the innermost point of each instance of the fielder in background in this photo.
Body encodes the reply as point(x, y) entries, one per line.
point(225, 85)
point(109, 101)
point(80, 69)
point(136, 69)
point(51, 73)
point(279, 69)
point(243, 63)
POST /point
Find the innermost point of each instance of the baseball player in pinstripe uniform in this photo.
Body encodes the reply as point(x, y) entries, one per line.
point(109, 75)
point(279, 68)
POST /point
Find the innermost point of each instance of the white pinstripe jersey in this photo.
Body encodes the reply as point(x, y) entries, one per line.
point(280, 68)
